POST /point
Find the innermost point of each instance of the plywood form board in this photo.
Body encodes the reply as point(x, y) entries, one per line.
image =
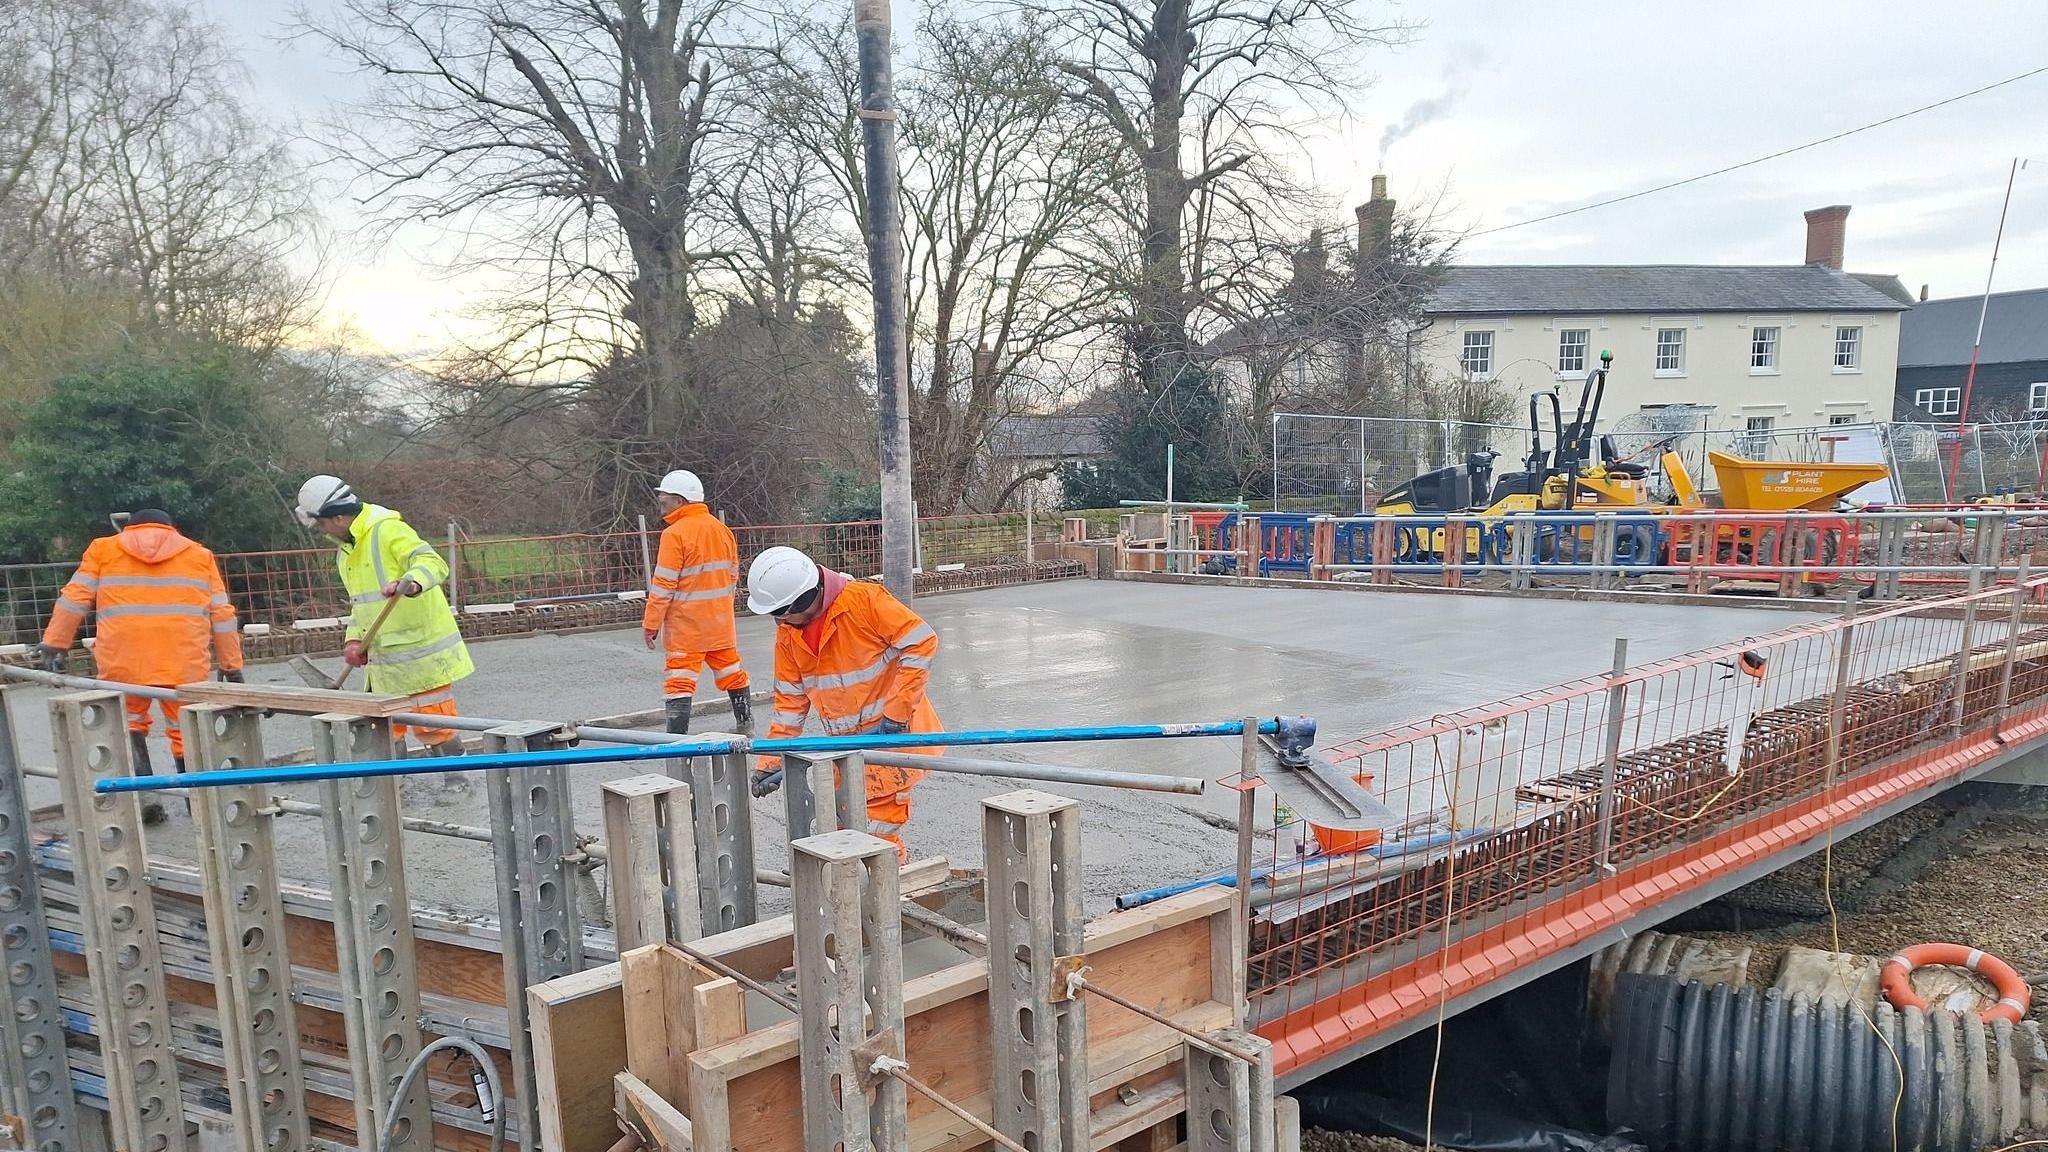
point(673, 1006)
point(294, 698)
point(578, 1026)
point(746, 1095)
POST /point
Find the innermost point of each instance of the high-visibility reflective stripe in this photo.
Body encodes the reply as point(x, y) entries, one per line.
point(156, 582)
point(421, 653)
point(849, 725)
point(420, 576)
point(661, 573)
point(422, 550)
point(658, 596)
point(793, 719)
point(914, 637)
point(701, 569)
point(789, 689)
point(912, 660)
point(376, 543)
point(226, 626)
point(367, 598)
point(706, 594)
point(108, 613)
point(426, 698)
point(79, 577)
point(219, 600)
point(68, 606)
point(849, 679)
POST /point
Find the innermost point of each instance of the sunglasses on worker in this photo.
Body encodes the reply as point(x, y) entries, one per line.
point(800, 604)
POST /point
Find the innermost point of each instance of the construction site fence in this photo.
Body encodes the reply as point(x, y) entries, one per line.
point(1520, 827)
point(1890, 553)
point(300, 587)
point(1343, 464)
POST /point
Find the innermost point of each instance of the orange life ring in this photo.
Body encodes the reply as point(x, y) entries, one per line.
point(2013, 993)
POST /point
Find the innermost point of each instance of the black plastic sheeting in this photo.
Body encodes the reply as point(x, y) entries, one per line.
point(1462, 1128)
point(1710, 1068)
point(1510, 1078)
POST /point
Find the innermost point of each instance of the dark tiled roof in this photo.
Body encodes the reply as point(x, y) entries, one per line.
point(1888, 284)
point(1664, 288)
point(1941, 331)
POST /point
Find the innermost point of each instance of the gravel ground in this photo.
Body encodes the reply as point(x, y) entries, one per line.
point(1324, 1140)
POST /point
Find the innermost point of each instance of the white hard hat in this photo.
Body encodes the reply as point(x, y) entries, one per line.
point(777, 578)
point(684, 484)
point(320, 493)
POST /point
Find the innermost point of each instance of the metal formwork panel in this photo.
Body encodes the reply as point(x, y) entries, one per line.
point(117, 916)
point(35, 1076)
point(722, 816)
point(652, 864)
point(538, 932)
point(809, 794)
point(1032, 847)
point(845, 890)
point(373, 939)
point(245, 932)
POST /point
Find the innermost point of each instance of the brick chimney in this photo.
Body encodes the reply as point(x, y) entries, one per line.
point(1376, 225)
point(1826, 230)
point(1311, 262)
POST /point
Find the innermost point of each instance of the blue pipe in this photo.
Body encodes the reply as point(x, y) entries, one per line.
point(1381, 851)
point(1296, 732)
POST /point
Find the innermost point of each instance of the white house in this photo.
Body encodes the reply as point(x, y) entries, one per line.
point(1765, 347)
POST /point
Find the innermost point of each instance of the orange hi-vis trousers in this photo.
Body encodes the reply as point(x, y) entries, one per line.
point(139, 719)
point(434, 702)
point(682, 669)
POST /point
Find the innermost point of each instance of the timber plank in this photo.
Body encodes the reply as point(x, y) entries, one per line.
point(297, 698)
point(578, 1026)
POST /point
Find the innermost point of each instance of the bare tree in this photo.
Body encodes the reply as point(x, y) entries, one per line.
point(1203, 95)
point(1004, 183)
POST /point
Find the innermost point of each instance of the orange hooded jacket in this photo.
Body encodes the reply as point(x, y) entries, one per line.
point(162, 608)
point(695, 580)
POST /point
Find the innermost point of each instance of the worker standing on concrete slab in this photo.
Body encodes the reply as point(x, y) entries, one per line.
point(853, 654)
point(696, 578)
point(164, 620)
point(418, 651)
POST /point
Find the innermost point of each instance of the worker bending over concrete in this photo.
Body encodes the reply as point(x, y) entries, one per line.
point(164, 620)
point(696, 578)
point(852, 653)
point(418, 650)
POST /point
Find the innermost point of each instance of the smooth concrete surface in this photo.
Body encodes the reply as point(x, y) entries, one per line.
point(1074, 652)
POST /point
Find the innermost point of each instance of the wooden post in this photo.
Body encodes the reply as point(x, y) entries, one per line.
point(1038, 1032)
point(1838, 707)
point(1454, 552)
point(35, 1075)
point(652, 863)
point(845, 890)
point(245, 935)
point(1383, 530)
point(117, 921)
point(2012, 644)
point(373, 939)
point(1323, 549)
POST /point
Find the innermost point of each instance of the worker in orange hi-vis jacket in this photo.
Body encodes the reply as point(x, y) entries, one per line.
point(163, 620)
point(853, 654)
point(696, 578)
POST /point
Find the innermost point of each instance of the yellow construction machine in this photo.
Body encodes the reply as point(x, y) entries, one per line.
point(1578, 472)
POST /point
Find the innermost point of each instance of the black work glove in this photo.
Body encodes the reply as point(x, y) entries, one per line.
point(48, 657)
point(765, 782)
point(890, 727)
point(232, 677)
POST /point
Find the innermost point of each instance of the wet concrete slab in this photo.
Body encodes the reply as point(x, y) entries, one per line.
point(1075, 652)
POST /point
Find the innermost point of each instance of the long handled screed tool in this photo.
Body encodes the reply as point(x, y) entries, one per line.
point(315, 678)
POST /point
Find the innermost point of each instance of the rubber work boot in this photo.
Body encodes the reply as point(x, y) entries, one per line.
point(152, 810)
point(742, 711)
point(678, 709)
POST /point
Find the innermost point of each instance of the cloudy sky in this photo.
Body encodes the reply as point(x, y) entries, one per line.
point(1503, 110)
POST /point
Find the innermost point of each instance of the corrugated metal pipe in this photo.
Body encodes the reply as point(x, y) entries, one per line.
point(1711, 1068)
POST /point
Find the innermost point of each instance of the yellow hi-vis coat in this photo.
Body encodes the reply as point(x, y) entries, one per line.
point(420, 646)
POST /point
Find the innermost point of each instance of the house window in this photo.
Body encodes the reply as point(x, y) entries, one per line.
point(1848, 349)
point(1571, 350)
point(2037, 396)
point(1670, 351)
point(1938, 401)
point(1478, 358)
point(1763, 350)
point(1755, 424)
point(1840, 418)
